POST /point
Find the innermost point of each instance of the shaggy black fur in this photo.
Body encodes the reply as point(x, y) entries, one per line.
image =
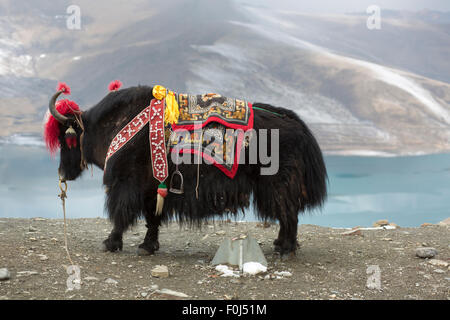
point(299, 185)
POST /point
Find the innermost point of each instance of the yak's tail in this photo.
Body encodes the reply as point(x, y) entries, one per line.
point(314, 172)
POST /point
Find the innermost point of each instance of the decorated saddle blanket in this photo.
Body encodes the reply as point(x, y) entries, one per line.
point(209, 118)
point(212, 107)
point(214, 144)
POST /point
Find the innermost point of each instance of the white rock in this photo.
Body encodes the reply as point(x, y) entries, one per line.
point(438, 263)
point(253, 268)
point(4, 274)
point(231, 273)
point(226, 272)
point(160, 271)
point(111, 281)
point(283, 273)
point(26, 273)
point(439, 271)
point(43, 257)
point(221, 268)
point(91, 279)
point(172, 293)
point(144, 294)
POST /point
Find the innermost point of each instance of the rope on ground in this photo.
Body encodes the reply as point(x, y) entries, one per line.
point(63, 197)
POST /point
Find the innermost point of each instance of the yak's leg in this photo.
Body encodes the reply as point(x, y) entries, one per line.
point(123, 207)
point(277, 242)
point(151, 243)
point(286, 243)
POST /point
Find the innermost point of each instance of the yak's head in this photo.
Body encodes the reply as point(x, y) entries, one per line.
point(63, 131)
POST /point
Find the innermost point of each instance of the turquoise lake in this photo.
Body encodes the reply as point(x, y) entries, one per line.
point(406, 190)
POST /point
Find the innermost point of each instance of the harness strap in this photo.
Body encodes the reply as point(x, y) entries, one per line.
point(275, 113)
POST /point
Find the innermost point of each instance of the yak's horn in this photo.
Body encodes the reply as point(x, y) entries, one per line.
point(51, 107)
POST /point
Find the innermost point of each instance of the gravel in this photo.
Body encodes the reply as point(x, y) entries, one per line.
point(328, 264)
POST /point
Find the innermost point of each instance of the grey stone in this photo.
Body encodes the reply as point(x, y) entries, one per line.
point(426, 252)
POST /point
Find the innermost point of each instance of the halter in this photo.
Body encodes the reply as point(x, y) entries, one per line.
point(79, 121)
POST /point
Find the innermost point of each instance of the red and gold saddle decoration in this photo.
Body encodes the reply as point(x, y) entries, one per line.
point(207, 117)
point(212, 107)
point(158, 150)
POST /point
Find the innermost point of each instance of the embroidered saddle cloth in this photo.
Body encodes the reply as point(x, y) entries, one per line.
point(212, 107)
point(214, 144)
point(208, 119)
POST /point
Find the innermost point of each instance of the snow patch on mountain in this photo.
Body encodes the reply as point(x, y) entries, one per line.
point(388, 75)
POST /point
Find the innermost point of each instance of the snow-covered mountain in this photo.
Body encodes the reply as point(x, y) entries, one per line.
point(362, 91)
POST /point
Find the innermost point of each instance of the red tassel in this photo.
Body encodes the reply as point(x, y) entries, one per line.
point(71, 142)
point(114, 85)
point(162, 193)
point(62, 86)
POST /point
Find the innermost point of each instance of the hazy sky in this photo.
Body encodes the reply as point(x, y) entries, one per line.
point(345, 6)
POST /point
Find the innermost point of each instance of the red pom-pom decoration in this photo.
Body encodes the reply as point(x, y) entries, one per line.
point(114, 85)
point(51, 128)
point(62, 86)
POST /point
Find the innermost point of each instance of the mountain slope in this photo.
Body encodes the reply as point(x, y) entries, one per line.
point(357, 89)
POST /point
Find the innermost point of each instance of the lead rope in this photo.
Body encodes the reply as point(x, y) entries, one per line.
point(63, 197)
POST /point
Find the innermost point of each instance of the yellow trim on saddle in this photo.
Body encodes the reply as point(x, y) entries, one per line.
point(171, 112)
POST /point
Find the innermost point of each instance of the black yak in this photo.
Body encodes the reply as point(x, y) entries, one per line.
point(84, 138)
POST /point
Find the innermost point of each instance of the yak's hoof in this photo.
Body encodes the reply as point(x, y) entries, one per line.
point(143, 252)
point(288, 256)
point(285, 250)
point(112, 245)
point(147, 249)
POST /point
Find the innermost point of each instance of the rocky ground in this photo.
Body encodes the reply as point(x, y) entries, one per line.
point(330, 263)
